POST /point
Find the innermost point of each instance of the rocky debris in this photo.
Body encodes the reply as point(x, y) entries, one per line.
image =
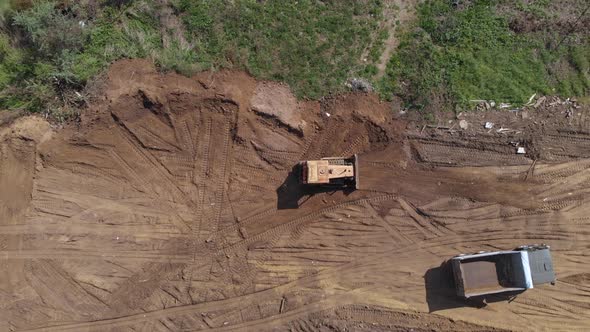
point(463, 124)
point(534, 102)
point(539, 102)
point(275, 100)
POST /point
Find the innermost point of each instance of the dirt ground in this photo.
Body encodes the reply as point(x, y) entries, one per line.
point(173, 206)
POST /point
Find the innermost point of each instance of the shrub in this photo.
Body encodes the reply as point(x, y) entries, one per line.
point(48, 31)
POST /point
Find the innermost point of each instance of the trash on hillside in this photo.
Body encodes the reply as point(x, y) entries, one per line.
point(530, 102)
point(489, 125)
point(539, 101)
point(520, 150)
point(463, 124)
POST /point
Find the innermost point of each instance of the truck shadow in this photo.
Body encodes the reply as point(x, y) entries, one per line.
point(440, 291)
point(291, 194)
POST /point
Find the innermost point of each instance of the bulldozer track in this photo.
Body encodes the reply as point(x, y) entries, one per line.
point(289, 157)
point(275, 231)
point(351, 149)
point(551, 174)
point(94, 255)
point(451, 154)
point(143, 186)
point(171, 187)
point(317, 145)
point(89, 170)
point(66, 228)
point(219, 189)
point(186, 137)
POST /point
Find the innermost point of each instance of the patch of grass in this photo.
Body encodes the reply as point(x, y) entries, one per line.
point(536, 8)
point(313, 46)
point(471, 53)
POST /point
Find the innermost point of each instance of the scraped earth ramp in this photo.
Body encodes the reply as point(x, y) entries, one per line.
point(173, 206)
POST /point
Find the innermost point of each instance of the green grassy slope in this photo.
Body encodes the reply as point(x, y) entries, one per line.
point(503, 50)
point(454, 55)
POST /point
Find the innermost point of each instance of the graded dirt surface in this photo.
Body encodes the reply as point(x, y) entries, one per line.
point(174, 206)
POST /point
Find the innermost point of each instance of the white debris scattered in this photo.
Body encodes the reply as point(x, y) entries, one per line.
point(463, 124)
point(489, 125)
point(539, 101)
point(529, 103)
point(504, 105)
point(520, 150)
point(328, 114)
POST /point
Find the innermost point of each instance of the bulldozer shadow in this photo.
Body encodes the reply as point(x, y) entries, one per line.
point(291, 194)
point(440, 291)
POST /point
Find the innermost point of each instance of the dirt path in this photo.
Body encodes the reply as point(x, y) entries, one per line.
point(173, 206)
point(397, 13)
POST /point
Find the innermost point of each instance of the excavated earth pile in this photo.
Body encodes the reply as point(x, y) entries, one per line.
point(174, 205)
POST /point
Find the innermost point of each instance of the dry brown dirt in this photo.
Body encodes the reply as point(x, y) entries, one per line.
point(173, 206)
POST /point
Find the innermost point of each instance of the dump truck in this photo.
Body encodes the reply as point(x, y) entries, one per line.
point(486, 273)
point(331, 171)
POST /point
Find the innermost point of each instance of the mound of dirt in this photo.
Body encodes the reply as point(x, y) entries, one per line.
point(276, 101)
point(175, 205)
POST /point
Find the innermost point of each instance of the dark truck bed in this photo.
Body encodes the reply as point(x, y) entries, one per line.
point(502, 271)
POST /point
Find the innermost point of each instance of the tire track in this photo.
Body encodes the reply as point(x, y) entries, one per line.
point(429, 245)
point(170, 185)
point(102, 255)
point(351, 149)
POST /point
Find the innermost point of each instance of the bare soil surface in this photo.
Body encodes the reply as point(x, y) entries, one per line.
point(173, 206)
